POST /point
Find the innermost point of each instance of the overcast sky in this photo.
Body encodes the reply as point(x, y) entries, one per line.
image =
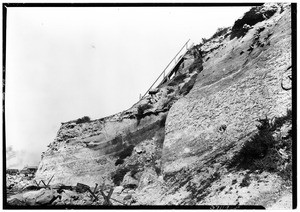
point(65, 63)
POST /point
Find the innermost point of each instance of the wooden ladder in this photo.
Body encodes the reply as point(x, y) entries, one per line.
point(165, 77)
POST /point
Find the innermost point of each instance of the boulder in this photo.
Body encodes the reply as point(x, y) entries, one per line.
point(30, 196)
point(129, 181)
point(148, 177)
point(118, 189)
point(46, 197)
point(39, 197)
point(16, 201)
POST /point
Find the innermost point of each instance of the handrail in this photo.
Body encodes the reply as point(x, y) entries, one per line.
point(163, 72)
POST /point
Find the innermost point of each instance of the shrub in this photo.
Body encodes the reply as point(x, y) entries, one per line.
point(246, 181)
point(83, 120)
point(261, 152)
point(250, 18)
point(219, 32)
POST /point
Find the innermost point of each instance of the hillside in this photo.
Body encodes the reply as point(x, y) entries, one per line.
point(217, 133)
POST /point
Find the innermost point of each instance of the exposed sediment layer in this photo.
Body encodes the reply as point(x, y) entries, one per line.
point(190, 130)
point(88, 152)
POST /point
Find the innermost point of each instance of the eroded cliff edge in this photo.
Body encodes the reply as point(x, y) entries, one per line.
point(183, 143)
point(92, 150)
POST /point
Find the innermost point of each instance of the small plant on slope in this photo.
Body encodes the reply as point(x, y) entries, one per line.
point(263, 152)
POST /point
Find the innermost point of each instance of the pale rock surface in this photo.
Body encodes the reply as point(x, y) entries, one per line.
point(175, 144)
point(39, 197)
point(237, 87)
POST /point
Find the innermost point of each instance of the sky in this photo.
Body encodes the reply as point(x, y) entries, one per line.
point(66, 63)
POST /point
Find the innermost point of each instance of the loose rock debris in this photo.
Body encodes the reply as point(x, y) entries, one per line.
point(45, 194)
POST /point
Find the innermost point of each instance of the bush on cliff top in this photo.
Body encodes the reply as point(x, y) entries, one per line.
point(252, 17)
point(83, 120)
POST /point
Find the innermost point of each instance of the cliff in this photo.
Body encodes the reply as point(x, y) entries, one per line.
point(218, 132)
point(239, 89)
point(90, 151)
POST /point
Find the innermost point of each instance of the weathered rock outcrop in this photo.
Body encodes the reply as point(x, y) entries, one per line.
point(108, 148)
point(207, 136)
point(239, 85)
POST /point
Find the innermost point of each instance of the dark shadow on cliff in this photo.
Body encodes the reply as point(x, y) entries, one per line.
point(130, 162)
point(134, 163)
point(266, 152)
point(252, 17)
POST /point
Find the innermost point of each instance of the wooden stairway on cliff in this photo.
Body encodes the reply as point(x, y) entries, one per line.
point(177, 61)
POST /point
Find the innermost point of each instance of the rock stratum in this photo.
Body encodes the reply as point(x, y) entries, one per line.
point(217, 133)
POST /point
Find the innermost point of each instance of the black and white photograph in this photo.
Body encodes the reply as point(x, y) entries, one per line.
point(149, 106)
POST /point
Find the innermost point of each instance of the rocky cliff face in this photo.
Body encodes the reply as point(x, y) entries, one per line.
point(241, 83)
point(210, 135)
point(90, 151)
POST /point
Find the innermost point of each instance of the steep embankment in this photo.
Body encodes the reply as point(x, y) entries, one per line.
point(108, 148)
point(237, 86)
point(217, 133)
point(243, 71)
